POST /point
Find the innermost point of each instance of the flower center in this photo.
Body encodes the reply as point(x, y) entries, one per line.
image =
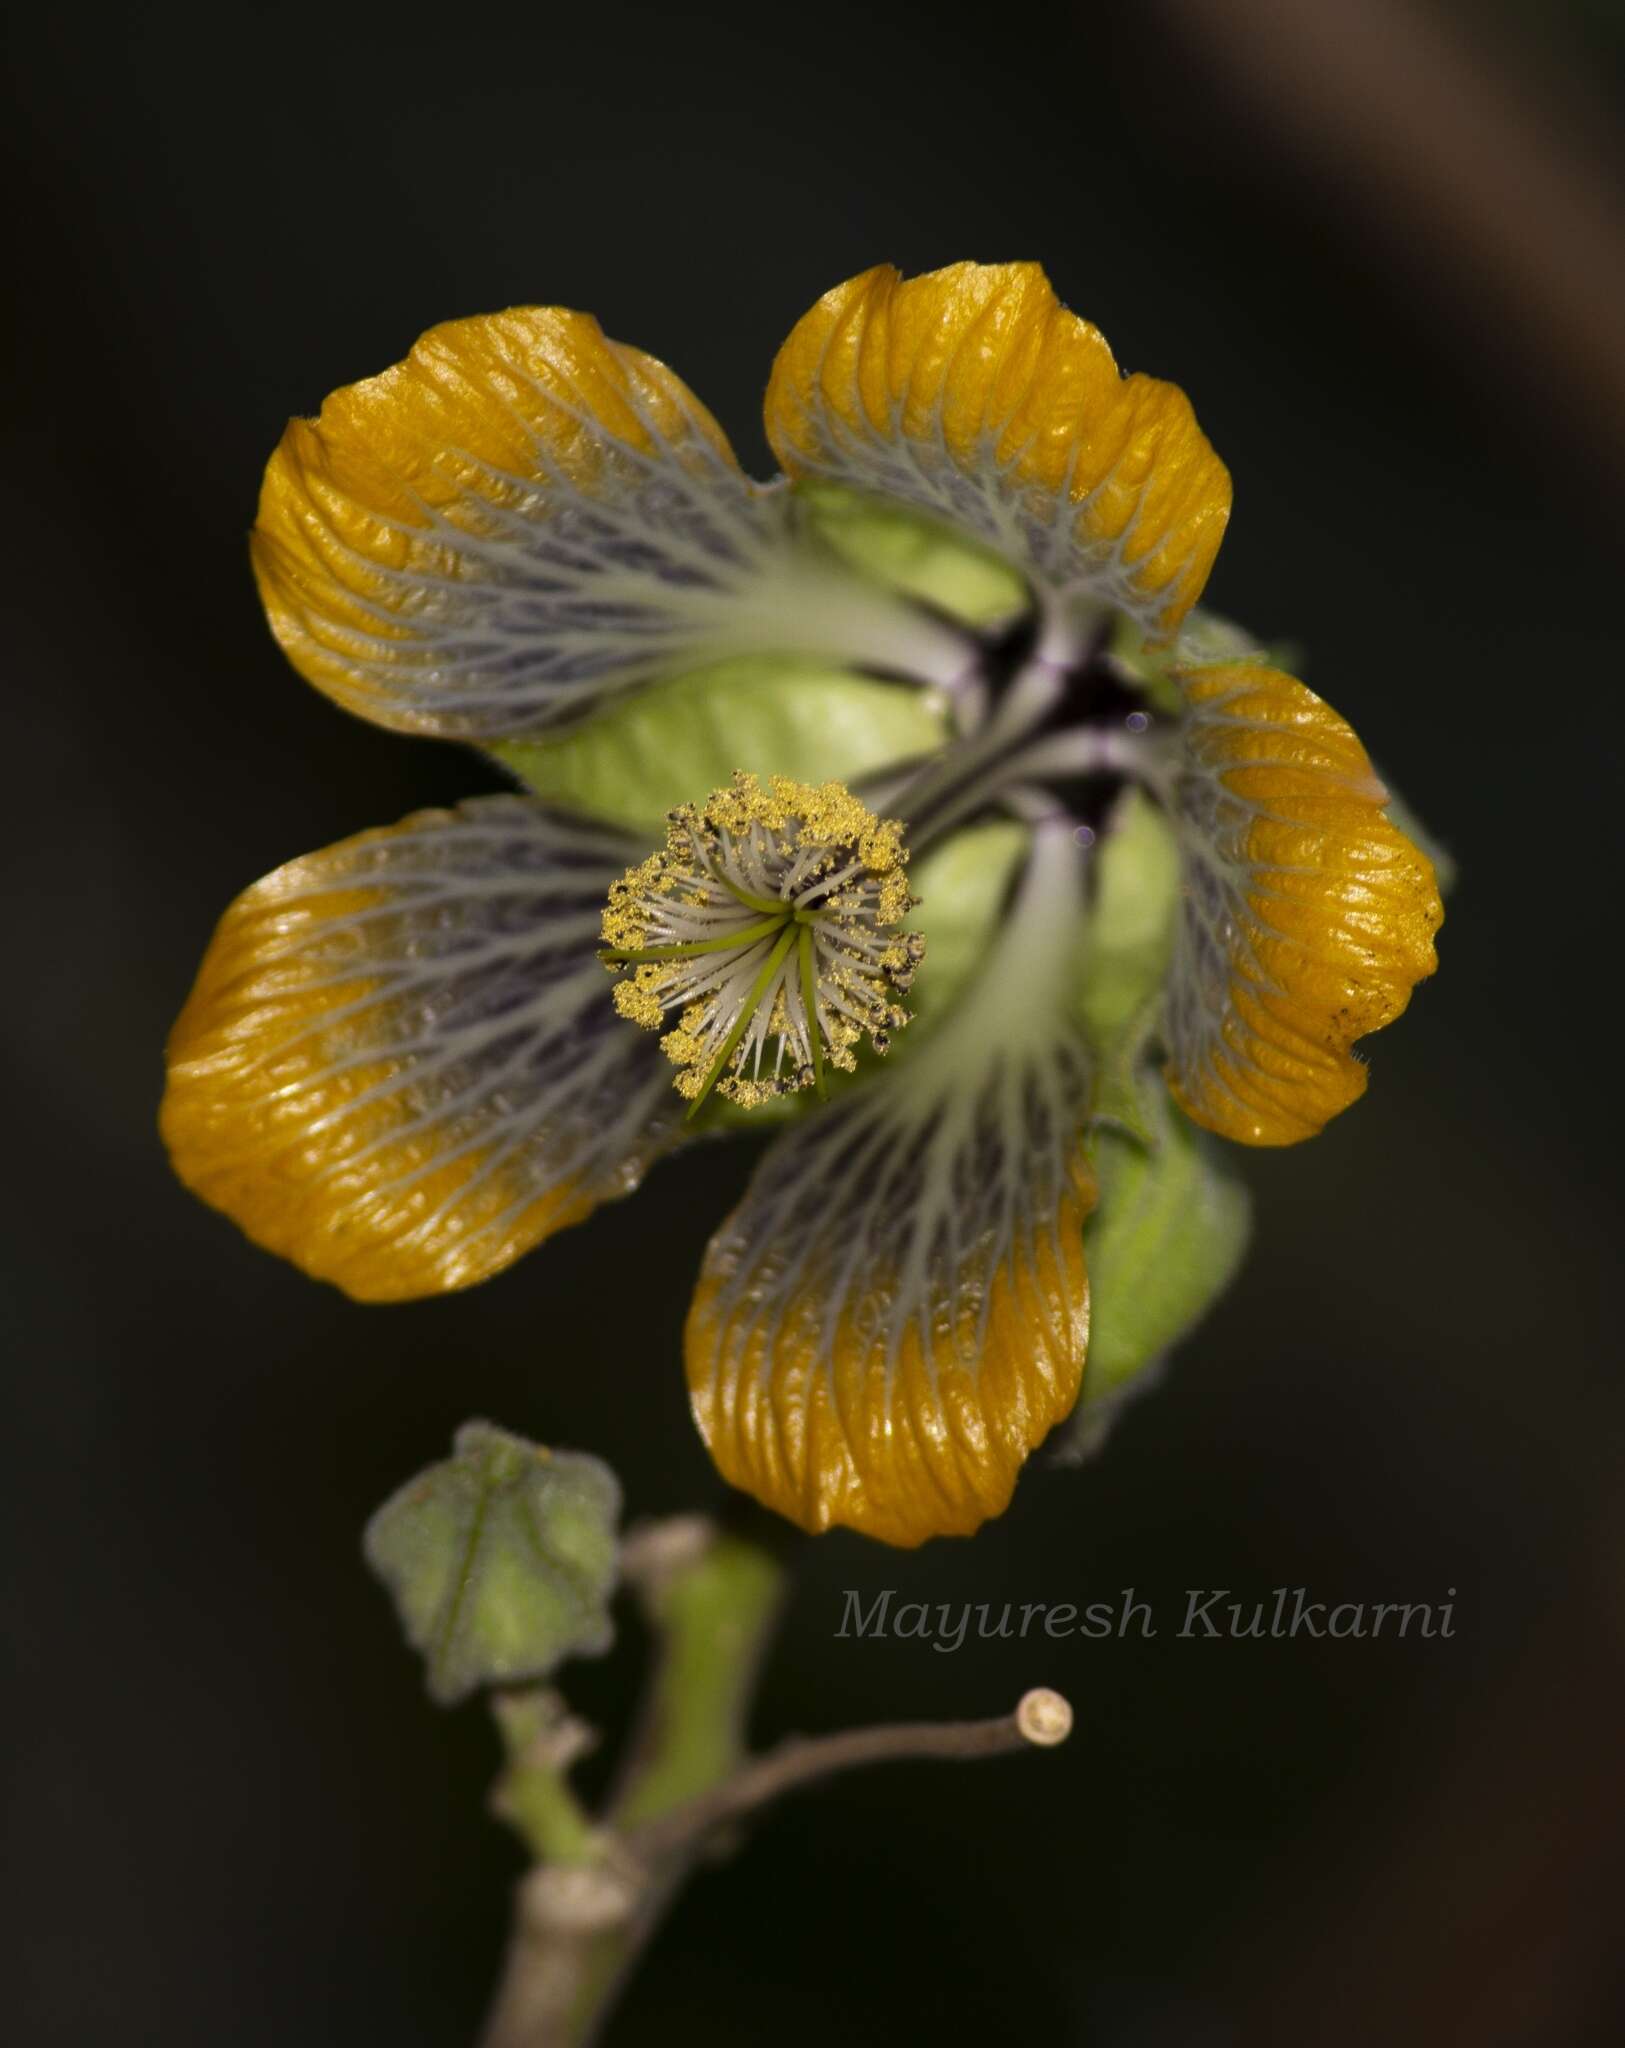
point(1047, 729)
point(771, 925)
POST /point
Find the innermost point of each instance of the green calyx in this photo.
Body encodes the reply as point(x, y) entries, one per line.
point(501, 1560)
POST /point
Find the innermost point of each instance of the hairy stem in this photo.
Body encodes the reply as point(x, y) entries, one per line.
point(600, 1889)
point(1040, 1721)
point(580, 1923)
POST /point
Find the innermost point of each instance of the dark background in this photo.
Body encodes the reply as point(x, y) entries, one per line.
point(234, 1816)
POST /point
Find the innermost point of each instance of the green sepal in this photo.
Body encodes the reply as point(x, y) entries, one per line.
point(1206, 637)
point(913, 554)
point(1165, 1238)
point(780, 715)
point(1171, 1218)
point(501, 1561)
point(1124, 958)
point(1401, 815)
point(961, 887)
point(1131, 918)
point(676, 742)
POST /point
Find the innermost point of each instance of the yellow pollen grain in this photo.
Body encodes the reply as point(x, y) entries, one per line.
point(640, 1004)
point(810, 832)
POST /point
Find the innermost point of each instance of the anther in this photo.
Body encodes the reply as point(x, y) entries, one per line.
point(770, 926)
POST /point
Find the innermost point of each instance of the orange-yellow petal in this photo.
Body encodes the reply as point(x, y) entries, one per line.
point(525, 520)
point(1307, 916)
point(897, 1313)
point(819, 1399)
point(400, 1067)
point(974, 395)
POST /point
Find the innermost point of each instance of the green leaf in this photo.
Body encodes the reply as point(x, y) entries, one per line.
point(918, 556)
point(1164, 1241)
point(678, 741)
point(501, 1561)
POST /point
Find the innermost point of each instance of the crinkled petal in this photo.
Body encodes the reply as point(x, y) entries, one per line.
point(973, 394)
point(898, 1312)
point(525, 520)
point(400, 1067)
point(1307, 919)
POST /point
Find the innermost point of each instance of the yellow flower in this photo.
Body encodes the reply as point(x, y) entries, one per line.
point(403, 1063)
